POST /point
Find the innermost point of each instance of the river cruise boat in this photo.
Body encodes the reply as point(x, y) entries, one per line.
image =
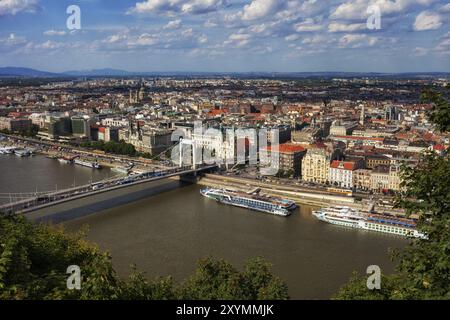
point(65, 160)
point(257, 202)
point(22, 152)
point(7, 150)
point(92, 165)
point(122, 170)
point(348, 217)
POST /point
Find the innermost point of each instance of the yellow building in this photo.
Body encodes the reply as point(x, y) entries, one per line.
point(361, 179)
point(316, 164)
point(379, 179)
point(394, 178)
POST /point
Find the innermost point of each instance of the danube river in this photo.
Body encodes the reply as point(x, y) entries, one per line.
point(167, 233)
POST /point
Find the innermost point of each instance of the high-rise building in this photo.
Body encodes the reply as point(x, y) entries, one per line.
point(362, 119)
point(81, 127)
point(391, 113)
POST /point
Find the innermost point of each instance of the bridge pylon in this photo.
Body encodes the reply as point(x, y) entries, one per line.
point(188, 142)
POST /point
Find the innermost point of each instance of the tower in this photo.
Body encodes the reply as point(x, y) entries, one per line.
point(141, 93)
point(363, 115)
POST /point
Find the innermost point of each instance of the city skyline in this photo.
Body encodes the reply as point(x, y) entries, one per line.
point(227, 36)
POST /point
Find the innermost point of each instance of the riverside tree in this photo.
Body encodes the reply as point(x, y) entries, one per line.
point(423, 270)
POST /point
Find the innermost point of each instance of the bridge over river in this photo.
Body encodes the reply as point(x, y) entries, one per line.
point(76, 202)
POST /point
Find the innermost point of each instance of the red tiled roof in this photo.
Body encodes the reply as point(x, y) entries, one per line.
point(217, 112)
point(288, 148)
point(359, 138)
point(347, 165)
point(17, 114)
point(439, 147)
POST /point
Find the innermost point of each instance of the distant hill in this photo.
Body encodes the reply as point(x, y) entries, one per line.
point(99, 73)
point(108, 72)
point(25, 72)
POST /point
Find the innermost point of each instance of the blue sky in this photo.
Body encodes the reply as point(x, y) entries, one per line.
point(227, 35)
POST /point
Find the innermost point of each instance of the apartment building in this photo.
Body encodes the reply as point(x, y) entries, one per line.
point(14, 124)
point(316, 164)
point(289, 158)
point(380, 179)
point(341, 172)
point(362, 179)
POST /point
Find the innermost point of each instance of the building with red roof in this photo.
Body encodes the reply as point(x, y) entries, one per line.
point(288, 157)
point(341, 172)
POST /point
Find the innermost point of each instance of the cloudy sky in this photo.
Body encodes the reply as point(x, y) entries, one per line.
point(228, 35)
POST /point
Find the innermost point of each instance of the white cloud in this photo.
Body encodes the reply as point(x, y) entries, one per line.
point(342, 27)
point(50, 45)
point(13, 41)
point(210, 24)
point(315, 40)
point(187, 33)
point(258, 28)
point(238, 40)
point(292, 37)
point(15, 6)
point(427, 20)
point(115, 38)
point(203, 39)
point(172, 25)
point(177, 6)
point(54, 33)
point(281, 11)
point(308, 25)
point(357, 9)
point(419, 51)
point(144, 39)
point(445, 8)
point(357, 41)
point(258, 9)
point(444, 45)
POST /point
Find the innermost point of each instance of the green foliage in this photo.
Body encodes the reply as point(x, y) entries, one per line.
point(219, 280)
point(426, 263)
point(423, 270)
point(34, 259)
point(121, 147)
point(356, 289)
point(440, 114)
point(32, 131)
point(284, 174)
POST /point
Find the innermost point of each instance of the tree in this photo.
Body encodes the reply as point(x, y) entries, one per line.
point(219, 280)
point(440, 112)
point(121, 147)
point(423, 270)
